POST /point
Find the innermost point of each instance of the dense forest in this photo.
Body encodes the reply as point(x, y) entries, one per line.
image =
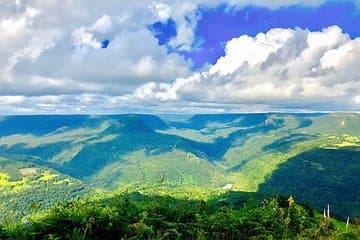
point(233, 215)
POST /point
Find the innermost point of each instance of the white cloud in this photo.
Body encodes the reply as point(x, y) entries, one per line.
point(54, 48)
point(34, 48)
point(280, 66)
point(15, 25)
point(102, 25)
point(83, 41)
point(6, 100)
point(251, 51)
point(67, 48)
point(145, 91)
point(163, 11)
point(13, 32)
point(145, 66)
point(357, 99)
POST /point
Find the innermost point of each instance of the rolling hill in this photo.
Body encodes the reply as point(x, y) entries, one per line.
point(313, 156)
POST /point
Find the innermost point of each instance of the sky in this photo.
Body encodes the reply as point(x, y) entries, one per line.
point(179, 56)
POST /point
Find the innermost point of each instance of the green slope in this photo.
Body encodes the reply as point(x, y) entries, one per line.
point(26, 188)
point(321, 177)
point(231, 151)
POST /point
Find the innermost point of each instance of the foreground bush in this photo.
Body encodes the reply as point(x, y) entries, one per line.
point(135, 216)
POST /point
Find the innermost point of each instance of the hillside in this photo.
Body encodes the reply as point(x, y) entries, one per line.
point(26, 188)
point(321, 176)
point(242, 152)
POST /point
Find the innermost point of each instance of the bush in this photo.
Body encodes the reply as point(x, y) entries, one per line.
point(134, 216)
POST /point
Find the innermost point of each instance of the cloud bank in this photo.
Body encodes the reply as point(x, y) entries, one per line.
point(282, 67)
point(77, 57)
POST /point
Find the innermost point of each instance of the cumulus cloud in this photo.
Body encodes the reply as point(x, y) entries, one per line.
point(282, 65)
point(63, 46)
point(102, 25)
point(52, 58)
point(163, 11)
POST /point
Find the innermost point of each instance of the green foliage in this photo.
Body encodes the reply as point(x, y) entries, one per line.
point(137, 216)
point(242, 152)
point(321, 177)
point(27, 188)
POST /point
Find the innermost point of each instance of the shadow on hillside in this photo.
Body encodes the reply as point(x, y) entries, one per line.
point(284, 144)
point(135, 135)
point(321, 177)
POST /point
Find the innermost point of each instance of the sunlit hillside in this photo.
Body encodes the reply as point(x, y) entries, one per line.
point(314, 157)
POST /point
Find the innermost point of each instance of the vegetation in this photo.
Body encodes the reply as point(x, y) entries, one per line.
point(26, 188)
point(137, 216)
point(321, 177)
point(54, 159)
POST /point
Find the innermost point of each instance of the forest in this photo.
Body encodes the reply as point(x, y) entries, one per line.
point(232, 215)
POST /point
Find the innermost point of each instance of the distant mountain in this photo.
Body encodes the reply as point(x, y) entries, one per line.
point(38, 125)
point(316, 153)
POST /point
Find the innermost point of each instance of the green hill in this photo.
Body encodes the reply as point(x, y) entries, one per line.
point(243, 152)
point(27, 188)
point(321, 177)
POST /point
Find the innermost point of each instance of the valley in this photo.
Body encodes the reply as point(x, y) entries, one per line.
point(314, 157)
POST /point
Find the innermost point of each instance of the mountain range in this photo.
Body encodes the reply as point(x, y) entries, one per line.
point(48, 159)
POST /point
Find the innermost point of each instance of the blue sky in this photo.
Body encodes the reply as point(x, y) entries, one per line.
point(189, 56)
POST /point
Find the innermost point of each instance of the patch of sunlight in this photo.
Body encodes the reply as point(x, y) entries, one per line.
point(67, 154)
point(206, 135)
point(61, 135)
point(63, 181)
point(4, 180)
point(20, 187)
point(48, 176)
point(347, 144)
point(104, 139)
